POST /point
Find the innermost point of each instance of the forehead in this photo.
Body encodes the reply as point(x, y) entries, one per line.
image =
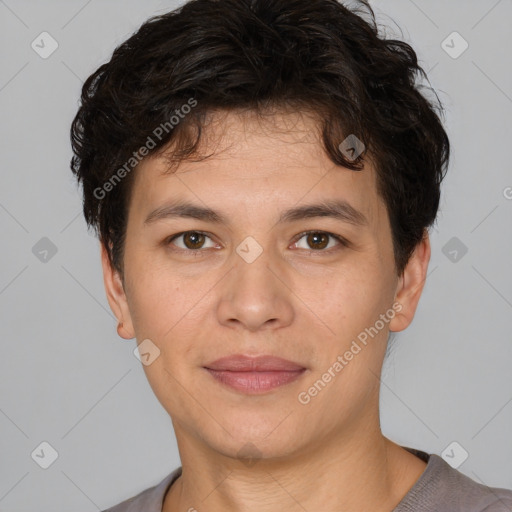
point(253, 162)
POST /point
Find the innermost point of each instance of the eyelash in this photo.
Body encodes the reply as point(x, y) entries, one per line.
point(198, 252)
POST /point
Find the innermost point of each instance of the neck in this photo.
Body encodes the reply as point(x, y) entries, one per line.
point(368, 472)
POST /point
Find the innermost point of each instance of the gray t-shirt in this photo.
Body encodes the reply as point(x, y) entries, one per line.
point(440, 488)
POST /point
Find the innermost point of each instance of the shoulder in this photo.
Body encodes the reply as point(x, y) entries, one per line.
point(500, 505)
point(148, 500)
point(470, 495)
point(443, 488)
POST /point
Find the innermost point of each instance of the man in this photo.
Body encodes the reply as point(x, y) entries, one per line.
point(263, 174)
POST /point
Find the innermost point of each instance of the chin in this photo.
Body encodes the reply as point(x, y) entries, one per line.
point(254, 437)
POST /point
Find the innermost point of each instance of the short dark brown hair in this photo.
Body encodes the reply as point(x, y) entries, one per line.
point(318, 56)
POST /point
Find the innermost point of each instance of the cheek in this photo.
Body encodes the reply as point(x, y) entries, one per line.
point(353, 298)
point(155, 301)
point(353, 313)
point(171, 311)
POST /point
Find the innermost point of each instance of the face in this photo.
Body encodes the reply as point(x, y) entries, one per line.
point(260, 280)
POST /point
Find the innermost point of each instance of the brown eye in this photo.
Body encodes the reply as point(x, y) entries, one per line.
point(318, 240)
point(193, 241)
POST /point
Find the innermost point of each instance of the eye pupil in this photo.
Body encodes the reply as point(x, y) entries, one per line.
point(194, 235)
point(315, 237)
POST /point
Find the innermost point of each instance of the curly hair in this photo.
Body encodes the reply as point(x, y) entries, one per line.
point(211, 55)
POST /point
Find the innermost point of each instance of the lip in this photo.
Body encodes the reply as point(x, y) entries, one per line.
point(241, 363)
point(254, 375)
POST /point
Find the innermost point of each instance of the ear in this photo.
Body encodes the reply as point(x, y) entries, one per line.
point(116, 297)
point(410, 285)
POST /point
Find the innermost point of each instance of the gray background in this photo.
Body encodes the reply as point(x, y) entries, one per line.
point(68, 379)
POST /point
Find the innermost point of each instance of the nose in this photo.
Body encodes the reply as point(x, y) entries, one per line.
point(256, 295)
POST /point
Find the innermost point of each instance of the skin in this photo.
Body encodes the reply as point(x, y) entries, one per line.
point(300, 300)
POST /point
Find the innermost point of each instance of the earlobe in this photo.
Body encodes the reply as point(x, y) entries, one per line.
point(116, 296)
point(410, 285)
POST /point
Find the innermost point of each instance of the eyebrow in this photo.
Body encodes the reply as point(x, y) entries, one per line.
point(336, 209)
